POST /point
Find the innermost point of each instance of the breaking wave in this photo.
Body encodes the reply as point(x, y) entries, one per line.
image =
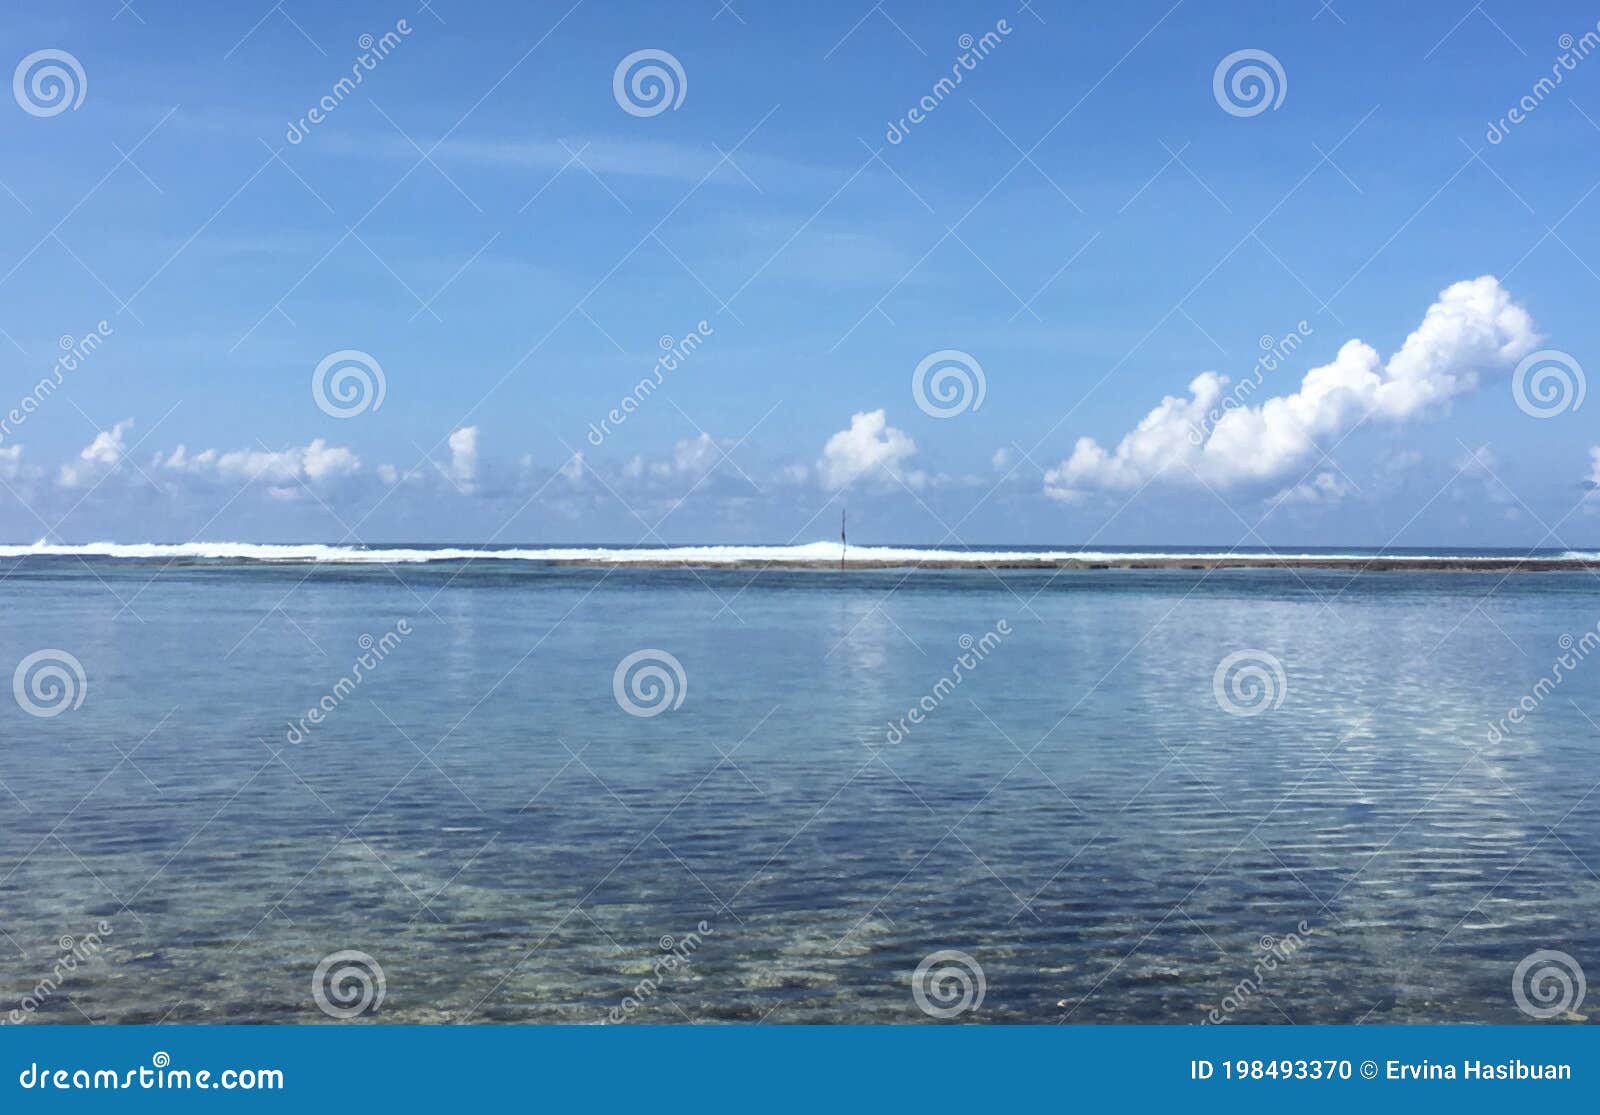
point(809, 553)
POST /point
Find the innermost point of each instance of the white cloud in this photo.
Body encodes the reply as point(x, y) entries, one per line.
point(690, 457)
point(1592, 483)
point(1002, 458)
point(11, 463)
point(1478, 463)
point(1478, 476)
point(322, 461)
point(1473, 330)
point(572, 471)
point(1325, 487)
point(695, 461)
point(97, 458)
point(318, 462)
point(869, 446)
point(464, 458)
point(1402, 461)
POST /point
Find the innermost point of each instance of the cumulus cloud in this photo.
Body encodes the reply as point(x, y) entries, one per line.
point(1473, 330)
point(464, 458)
point(698, 461)
point(869, 447)
point(318, 462)
point(11, 463)
point(694, 456)
point(97, 458)
point(1325, 487)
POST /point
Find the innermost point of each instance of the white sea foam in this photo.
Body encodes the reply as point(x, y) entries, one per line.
point(813, 552)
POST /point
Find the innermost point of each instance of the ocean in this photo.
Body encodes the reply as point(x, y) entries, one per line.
point(424, 784)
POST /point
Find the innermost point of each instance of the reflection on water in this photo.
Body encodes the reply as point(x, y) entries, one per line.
point(1079, 815)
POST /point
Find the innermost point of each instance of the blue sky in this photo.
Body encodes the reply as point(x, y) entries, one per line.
point(1081, 216)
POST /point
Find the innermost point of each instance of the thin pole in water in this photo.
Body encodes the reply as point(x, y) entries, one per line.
point(843, 545)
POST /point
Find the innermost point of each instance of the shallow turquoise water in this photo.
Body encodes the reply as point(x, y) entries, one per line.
point(1080, 815)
